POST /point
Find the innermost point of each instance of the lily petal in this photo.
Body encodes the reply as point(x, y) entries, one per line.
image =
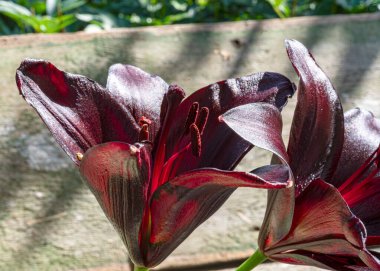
point(364, 203)
point(79, 112)
point(322, 218)
point(316, 136)
point(361, 139)
point(261, 125)
point(141, 93)
point(330, 262)
point(183, 203)
point(118, 175)
point(217, 148)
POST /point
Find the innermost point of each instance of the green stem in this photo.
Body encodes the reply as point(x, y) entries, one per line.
point(257, 258)
point(140, 269)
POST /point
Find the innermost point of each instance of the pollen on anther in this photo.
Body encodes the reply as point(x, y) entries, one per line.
point(79, 156)
point(196, 143)
point(202, 119)
point(191, 116)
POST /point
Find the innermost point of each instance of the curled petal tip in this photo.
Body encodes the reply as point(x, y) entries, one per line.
point(290, 184)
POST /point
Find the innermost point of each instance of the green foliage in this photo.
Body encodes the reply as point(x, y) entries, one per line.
point(22, 16)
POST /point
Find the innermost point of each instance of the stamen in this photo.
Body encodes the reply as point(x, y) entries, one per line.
point(79, 156)
point(195, 140)
point(144, 120)
point(202, 119)
point(191, 116)
point(144, 133)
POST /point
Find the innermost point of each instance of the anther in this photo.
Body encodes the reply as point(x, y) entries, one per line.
point(202, 119)
point(79, 156)
point(144, 133)
point(144, 120)
point(191, 116)
point(196, 143)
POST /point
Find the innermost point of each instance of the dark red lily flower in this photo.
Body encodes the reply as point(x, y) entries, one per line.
point(331, 217)
point(158, 164)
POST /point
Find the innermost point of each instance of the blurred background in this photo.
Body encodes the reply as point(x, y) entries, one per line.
point(52, 16)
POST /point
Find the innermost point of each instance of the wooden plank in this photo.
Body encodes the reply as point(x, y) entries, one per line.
point(49, 220)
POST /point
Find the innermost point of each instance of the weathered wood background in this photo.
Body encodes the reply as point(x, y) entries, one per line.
point(50, 221)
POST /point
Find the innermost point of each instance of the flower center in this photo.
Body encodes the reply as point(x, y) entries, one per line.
point(190, 140)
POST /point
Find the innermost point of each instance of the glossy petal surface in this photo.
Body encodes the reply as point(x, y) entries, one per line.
point(316, 136)
point(182, 204)
point(221, 147)
point(79, 112)
point(118, 174)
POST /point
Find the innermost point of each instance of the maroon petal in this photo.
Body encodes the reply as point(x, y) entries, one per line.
point(141, 93)
point(118, 174)
point(364, 203)
point(220, 146)
point(261, 125)
point(317, 132)
point(347, 262)
point(361, 139)
point(79, 112)
point(323, 223)
point(183, 203)
point(278, 217)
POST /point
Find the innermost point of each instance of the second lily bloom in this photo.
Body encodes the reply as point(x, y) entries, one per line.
point(331, 217)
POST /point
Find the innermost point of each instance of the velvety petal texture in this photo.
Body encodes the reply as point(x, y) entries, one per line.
point(316, 223)
point(361, 139)
point(157, 163)
point(139, 92)
point(260, 124)
point(181, 205)
point(323, 224)
point(118, 174)
point(81, 114)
